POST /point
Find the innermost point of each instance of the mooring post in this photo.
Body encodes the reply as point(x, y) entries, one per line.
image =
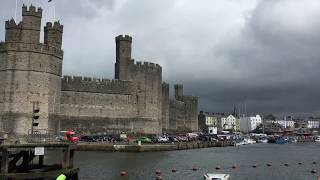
point(66, 158)
point(71, 158)
point(4, 161)
point(41, 161)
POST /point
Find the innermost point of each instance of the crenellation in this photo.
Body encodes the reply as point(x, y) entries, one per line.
point(28, 47)
point(124, 38)
point(12, 24)
point(147, 66)
point(32, 11)
point(56, 26)
point(94, 85)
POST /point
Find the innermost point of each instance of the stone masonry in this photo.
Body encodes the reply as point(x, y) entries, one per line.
point(31, 73)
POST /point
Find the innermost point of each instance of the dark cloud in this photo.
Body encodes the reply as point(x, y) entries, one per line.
point(260, 55)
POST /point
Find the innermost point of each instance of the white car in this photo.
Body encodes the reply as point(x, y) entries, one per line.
point(163, 139)
point(216, 176)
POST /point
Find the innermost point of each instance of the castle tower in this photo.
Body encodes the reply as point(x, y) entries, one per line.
point(123, 57)
point(30, 72)
point(178, 91)
point(53, 34)
point(31, 24)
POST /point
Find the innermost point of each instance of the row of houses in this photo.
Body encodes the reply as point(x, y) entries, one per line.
point(217, 122)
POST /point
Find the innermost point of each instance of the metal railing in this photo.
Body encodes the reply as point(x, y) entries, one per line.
point(41, 136)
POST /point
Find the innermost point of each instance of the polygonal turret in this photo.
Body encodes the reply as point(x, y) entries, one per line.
point(123, 57)
point(31, 24)
point(12, 31)
point(53, 34)
point(178, 91)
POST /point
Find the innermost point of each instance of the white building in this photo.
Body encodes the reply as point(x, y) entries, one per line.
point(313, 124)
point(212, 130)
point(285, 124)
point(248, 124)
point(211, 123)
point(228, 122)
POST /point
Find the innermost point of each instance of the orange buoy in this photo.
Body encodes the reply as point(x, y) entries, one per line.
point(123, 173)
point(218, 167)
point(174, 170)
point(268, 164)
point(158, 172)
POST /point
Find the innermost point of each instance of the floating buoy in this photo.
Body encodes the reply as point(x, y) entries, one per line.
point(313, 171)
point(268, 164)
point(194, 169)
point(286, 164)
point(254, 166)
point(234, 167)
point(300, 163)
point(174, 170)
point(314, 162)
point(158, 172)
point(123, 173)
point(218, 167)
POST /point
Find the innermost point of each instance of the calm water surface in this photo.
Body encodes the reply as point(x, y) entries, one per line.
point(107, 165)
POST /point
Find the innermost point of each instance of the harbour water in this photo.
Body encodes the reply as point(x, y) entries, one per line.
point(108, 165)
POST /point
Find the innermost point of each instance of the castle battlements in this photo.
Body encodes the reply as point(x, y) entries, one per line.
point(56, 26)
point(147, 66)
point(32, 11)
point(29, 47)
point(10, 24)
point(124, 38)
point(165, 85)
point(97, 85)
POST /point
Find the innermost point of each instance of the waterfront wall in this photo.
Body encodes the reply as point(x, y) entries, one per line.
point(151, 147)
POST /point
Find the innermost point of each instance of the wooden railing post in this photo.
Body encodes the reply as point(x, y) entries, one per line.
point(4, 161)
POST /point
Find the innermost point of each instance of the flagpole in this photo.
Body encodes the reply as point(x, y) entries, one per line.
point(15, 11)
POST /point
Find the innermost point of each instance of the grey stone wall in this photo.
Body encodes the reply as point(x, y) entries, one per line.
point(165, 105)
point(30, 73)
point(95, 85)
point(183, 111)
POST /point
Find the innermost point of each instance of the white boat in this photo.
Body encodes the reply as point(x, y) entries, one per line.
point(211, 176)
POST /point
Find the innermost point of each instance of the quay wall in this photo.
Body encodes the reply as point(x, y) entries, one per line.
point(150, 147)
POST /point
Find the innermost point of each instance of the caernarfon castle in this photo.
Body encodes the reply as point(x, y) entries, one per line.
point(31, 73)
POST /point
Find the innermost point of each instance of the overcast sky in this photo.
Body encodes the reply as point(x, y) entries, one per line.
point(263, 56)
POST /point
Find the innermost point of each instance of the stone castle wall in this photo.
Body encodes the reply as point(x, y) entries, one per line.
point(183, 111)
point(30, 74)
point(136, 100)
point(165, 106)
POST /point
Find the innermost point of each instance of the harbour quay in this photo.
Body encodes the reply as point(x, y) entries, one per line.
point(151, 147)
point(28, 161)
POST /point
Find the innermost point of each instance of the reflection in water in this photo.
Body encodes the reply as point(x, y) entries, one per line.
point(107, 165)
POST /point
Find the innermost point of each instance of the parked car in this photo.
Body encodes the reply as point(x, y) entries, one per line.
point(173, 139)
point(182, 138)
point(163, 139)
point(87, 139)
point(143, 140)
